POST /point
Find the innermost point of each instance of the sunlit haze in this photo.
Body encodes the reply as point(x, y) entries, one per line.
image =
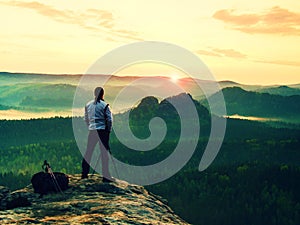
point(250, 42)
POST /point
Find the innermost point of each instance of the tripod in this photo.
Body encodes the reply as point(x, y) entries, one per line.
point(46, 166)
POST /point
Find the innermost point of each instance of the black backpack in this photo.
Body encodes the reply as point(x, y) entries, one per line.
point(48, 181)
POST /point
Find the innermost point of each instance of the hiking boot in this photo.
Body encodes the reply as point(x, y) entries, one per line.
point(108, 179)
point(84, 176)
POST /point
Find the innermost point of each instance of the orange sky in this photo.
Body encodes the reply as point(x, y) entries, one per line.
point(251, 42)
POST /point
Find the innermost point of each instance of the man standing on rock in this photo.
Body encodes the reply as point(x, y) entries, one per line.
point(98, 118)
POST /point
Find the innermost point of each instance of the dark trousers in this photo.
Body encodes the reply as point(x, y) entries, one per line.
point(94, 137)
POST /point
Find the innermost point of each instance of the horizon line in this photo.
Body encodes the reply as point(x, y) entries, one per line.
point(163, 76)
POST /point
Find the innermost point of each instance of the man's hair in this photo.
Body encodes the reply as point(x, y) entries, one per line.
point(99, 93)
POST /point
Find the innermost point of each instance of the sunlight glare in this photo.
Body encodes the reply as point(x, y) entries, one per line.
point(174, 78)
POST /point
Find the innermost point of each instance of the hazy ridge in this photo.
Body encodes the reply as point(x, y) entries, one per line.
point(46, 95)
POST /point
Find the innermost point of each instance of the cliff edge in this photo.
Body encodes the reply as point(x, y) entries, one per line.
point(87, 201)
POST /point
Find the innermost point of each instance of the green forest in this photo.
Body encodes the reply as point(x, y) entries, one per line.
point(255, 178)
point(250, 103)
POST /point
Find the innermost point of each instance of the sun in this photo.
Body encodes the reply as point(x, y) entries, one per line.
point(174, 78)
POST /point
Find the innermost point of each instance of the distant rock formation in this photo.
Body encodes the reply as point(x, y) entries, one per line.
point(88, 201)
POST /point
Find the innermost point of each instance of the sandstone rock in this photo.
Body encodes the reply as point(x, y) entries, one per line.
point(88, 201)
point(4, 193)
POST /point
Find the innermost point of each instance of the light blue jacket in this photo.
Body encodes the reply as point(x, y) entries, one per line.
point(94, 116)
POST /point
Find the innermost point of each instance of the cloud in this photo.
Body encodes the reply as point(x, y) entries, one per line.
point(227, 15)
point(209, 53)
point(230, 53)
point(222, 53)
point(90, 19)
point(216, 52)
point(280, 62)
point(6, 52)
point(275, 20)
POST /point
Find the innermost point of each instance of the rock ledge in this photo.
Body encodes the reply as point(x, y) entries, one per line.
point(88, 201)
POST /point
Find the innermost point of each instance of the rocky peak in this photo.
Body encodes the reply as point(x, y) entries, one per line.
point(87, 201)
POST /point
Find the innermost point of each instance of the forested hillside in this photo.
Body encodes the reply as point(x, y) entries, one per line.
point(248, 103)
point(281, 90)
